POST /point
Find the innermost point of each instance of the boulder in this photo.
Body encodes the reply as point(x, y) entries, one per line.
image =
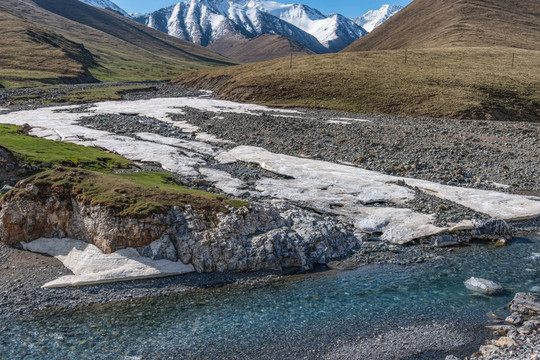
point(514, 319)
point(444, 241)
point(526, 304)
point(488, 350)
point(505, 342)
point(500, 330)
point(492, 230)
point(483, 286)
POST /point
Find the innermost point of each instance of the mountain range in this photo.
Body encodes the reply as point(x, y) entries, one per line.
point(206, 21)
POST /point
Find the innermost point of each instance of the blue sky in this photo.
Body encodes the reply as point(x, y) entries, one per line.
point(350, 8)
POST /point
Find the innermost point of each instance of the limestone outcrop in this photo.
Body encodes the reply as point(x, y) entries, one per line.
point(264, 236)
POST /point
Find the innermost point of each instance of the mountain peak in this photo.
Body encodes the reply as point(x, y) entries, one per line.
point(375, 18)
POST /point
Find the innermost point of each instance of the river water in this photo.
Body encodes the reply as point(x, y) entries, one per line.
point(306, 316)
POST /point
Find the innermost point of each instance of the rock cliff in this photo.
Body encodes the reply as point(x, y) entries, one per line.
point(264, 236)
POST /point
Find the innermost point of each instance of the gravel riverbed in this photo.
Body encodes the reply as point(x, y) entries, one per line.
point(479, 154)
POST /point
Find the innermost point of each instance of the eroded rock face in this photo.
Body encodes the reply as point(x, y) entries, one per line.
point(267, 236)
point(492, 229)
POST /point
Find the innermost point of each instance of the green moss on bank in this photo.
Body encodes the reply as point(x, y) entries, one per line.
point(35, 151)
point(136, 195)
point(87, 176)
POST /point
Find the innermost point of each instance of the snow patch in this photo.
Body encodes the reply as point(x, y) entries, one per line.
point(375, 18)
point(224, 181)
point(90, 266)
point(348, 191)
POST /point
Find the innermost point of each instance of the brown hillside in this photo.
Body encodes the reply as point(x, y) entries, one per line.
point(261, 48)
point(441, 23)
point(451, 82)
point(124, 49)
point(31, 53)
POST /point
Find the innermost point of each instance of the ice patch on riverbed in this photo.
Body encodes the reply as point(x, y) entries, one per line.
point(365, 199)
point(160, 108)
point(90, 266)
point(347, 191)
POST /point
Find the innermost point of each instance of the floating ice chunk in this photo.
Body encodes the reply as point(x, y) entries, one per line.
point(90, 266)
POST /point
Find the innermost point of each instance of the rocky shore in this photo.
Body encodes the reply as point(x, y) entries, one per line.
point(519, 337)
point(23, 273)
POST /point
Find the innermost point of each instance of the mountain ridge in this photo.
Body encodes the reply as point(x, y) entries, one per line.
point(106, 4)
point(261, 48)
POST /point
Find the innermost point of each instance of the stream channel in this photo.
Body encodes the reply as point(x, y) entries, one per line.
point(424, 311)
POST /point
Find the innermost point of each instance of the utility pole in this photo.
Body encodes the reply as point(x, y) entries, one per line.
point(513, 58)
point(406, 50)
point(291, 61)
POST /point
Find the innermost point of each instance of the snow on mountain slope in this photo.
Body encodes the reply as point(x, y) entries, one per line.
point(375, 18)
point(105, 4)
point(205, 21)
point(332, 31)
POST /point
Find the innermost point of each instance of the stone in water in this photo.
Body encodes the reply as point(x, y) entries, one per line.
point(483, 286)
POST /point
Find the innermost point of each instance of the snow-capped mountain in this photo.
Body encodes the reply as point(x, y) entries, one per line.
point(375, 18)
point(205, 21)
point(105, 4)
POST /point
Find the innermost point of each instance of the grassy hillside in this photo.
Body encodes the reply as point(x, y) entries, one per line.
point(261, 48)
point(31, 54)
point(476, 83)
point(471, 23)
point(123, 49)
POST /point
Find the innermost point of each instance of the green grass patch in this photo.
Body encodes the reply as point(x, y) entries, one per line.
point(86, 174)
point(137, 195)
point(35, 150)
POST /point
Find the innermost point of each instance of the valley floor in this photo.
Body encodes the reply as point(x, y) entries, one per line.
point(497, 156)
